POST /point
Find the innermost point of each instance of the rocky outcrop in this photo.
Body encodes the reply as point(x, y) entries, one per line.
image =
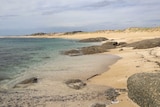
point(92, 49)
point(98, 39)
point(144, 89)
point(144, 44)
point(73, 52)
point(75, 84)
point(109, 45)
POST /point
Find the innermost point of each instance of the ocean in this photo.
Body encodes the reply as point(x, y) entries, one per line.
point(41, 57)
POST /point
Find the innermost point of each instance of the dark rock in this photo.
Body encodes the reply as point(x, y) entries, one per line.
point(25, 83)
point(111, 94)
point(30, 80)
point(75, 84)
point(85, 51)
point(109, 45)
point(144, 89)
point(98, 105)
point(73, 52)
point(122, 43)
point(145, 44)
point(93, 50)
point(98, 39)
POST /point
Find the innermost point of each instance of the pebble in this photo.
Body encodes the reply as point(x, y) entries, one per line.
point(30, 98)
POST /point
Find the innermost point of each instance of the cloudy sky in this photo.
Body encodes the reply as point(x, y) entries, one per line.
point(30, 16)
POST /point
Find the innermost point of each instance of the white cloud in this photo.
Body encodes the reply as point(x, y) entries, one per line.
point(18, 14)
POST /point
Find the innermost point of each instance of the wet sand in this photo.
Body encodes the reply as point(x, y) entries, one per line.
point(51, 89)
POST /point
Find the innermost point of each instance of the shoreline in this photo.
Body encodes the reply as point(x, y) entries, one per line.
point(132, 61)
point(57, 92)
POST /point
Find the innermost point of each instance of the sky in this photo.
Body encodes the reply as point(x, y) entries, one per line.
point(19, 17)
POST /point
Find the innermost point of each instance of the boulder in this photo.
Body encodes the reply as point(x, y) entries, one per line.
point(98, 39)
point(111, 94)
point(144, 89)
point(93, 50)
point(75, 84)
point(109, 45)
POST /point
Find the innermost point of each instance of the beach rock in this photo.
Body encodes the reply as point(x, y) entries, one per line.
point(98, 39)
point(144, 89)
point(98, 105)
point(145, 44)
point(122, 43)
point(85, 51)
point(93, 50)
point(109, 45)
point(73, 52)
point(75, 84)
point(111, 94)
point(30, 80)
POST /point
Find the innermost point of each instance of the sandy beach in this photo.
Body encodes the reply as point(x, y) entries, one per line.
point(132, 61)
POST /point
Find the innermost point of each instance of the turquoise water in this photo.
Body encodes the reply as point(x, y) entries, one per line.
point(18, 55)
point(22, 58)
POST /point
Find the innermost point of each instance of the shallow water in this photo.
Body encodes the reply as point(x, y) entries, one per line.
point(21, 58)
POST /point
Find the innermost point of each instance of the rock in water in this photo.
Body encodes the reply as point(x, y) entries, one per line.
point(93, 50)
point(73, 52)
point(144, 89)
